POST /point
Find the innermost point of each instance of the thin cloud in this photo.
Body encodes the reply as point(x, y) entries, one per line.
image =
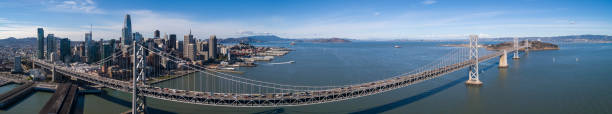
point(429, 2)
point(74, 6)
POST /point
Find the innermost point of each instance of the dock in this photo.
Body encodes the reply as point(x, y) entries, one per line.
point(62, 100)
point(15, 94)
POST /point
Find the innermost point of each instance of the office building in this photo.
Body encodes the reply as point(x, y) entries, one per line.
point(212, 47)
point(41, 44)
point(156, 34)
point(187, 43)
point(50, 45)
point(138, 37)
point(65, 52)
point(17, 65)
point(172, 42)
point(126, 31)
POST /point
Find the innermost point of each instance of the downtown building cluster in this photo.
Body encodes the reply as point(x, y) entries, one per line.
point(90, 52)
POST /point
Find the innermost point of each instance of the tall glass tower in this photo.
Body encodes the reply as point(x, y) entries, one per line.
point(127, 31)
point(41, 44)
point(50, 45)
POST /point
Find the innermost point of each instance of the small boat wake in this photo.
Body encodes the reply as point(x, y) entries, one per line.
point(288, 62)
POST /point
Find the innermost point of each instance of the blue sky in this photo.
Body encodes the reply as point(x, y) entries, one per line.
point(359, 19)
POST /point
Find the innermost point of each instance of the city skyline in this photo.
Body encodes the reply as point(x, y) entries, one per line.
point(365, 20)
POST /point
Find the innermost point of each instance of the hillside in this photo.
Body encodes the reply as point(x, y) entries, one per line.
point(16, 43)
point(272, 38)
point(535, 45)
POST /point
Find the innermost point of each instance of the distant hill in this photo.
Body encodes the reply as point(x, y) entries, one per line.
point(254, 39)
point(327, 40)
point(570, 38)
point(273, 38)
point(21, 42)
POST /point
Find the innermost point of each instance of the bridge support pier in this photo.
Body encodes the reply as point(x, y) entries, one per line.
point(503, 60)
point(53, 77)
point(473, 75)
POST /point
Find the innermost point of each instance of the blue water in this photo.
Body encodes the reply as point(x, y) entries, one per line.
point(574, 79)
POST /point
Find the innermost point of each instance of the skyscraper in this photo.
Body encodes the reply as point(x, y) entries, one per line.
point(126, 31)
point(137, 37)
point(106, 51)
point(17, 65)
point(41, 44)
point(187, 53)
point(212, 47)
point(50, 45)
point(156, 34)
point(172, 42)
point(93, 54)
point(88, 39)
point(65, 53)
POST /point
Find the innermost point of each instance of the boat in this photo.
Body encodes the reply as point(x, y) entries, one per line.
point(396, 46)
point(288, 62)
point(292, 43)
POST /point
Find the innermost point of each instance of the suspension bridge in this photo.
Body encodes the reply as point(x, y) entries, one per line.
point(235, 91)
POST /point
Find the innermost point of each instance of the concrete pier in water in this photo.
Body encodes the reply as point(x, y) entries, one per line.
point(15, 94)
point(62, 100)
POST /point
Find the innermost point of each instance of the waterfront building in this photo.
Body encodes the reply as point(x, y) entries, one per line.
point(50, 45)
point(41, 44)
point(37, 75)
point(17, 65)
point(126, 31)
point(65, 53)
point(212, 47)
point(156, 34)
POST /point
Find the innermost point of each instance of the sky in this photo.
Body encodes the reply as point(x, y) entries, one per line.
point(356, 19)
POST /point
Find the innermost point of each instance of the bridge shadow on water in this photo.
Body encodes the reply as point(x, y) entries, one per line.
point(273, 111)
point(125, 103)
point(412, 99)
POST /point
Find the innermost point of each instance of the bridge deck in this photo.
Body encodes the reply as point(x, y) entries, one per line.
point(271, 99)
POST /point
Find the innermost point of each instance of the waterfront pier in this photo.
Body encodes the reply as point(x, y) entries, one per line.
point(62, 100)
point(15, 94)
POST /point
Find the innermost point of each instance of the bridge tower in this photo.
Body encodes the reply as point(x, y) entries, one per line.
point(527, 45)
point(516, 48)
point(138, 79)
point(473, 73)
point(503, 60)
point(53, 78)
